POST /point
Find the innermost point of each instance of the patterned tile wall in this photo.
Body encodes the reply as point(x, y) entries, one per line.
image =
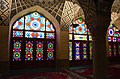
point(63, 10)
point(4, 11)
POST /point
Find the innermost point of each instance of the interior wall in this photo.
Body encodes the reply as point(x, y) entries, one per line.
point(4, 55)
point(4, 31)
point(63, 55)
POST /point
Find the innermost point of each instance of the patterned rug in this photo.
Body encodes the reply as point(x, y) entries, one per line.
point(80, 73)
point(64, 74)
point(47, 75)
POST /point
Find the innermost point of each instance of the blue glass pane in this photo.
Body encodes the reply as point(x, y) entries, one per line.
point(77, 50)
point(34, 34)
point(50, 35)
point(34, 21)
point(82, 28)
point(17, 33)
point(19, 24)
point(49, 26)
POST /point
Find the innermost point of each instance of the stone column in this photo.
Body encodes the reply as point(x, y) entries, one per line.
point(99, 32)
point(99, 55)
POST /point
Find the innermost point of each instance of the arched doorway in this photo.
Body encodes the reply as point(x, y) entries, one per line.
point(33, 42)
point(80, 44)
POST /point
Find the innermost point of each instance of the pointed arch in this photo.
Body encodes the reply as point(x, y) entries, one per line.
point(80, 43)
point(113, 41)
point(23, 15)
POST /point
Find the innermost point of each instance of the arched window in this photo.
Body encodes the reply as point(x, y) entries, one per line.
point(113, 41)
point(33, 40)
point(80, 41)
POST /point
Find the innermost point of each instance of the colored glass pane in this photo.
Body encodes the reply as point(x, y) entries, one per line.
point(109, 39)
point(80, 37)
point(71, 29)
point(82, 28)
point(34, 34)
point(84, 51)
point(114, 39)
point(113, 31)
point(77, 50)
point(70, 50)
point(118, 39)
point(19, 24)
point(70, 36)
point(109, 50)
point(116, 32)
point(84, 57)
point(114, 50)
point(50, 50)
point(50, 35)
point(17, 33)
point(90, 38)
point(119, 49)
point(49, 26)
point(91, 50)
point(39, 50)
point(29, 50)
point(88, 31)
point(34, 21)
point(16, 50)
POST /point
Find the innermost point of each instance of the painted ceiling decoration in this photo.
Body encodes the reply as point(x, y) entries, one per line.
point(63, 10)
point(4, 11)
point(116, 6)
point(117, 23)
point(114, 17)
point(70, 12)
point(115, 14)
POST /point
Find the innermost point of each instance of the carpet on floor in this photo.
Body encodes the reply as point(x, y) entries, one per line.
point(80, 73)
point(41, 75)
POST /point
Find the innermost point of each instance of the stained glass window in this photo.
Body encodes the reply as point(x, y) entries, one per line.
point(91, 54)
point(77, 50)
point(17, 33)
point(109, 50)
point(34, 21)
point(118, 40)
point(50, 50)
point(50, 35)
point(119, 49)
point(29, 50)
point(17, 50)
point(84, 51)
point(114, 50)
point(81, 39)
point(34, 34)
point(82, 28)
point(70, 50)
point(49, 26)
point(19, 24)
point(33, 38)
point(113, 40)
point(39, 50)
